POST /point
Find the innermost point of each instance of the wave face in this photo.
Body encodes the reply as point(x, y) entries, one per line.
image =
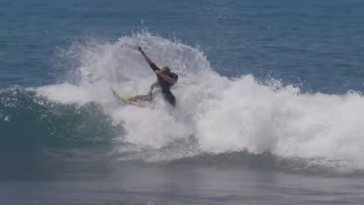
point(216, 116)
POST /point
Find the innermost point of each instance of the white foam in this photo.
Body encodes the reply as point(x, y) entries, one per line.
point(224, 114)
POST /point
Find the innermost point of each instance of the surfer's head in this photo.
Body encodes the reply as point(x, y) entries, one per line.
point(166, 70)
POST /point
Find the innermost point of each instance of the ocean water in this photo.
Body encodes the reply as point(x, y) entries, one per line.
point(269, 98)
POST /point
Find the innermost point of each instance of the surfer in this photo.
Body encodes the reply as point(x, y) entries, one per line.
point(165, 80)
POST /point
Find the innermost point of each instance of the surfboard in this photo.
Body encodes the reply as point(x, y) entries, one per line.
point(124, 99)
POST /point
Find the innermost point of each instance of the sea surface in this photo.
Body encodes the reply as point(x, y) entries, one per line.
point(269, 102)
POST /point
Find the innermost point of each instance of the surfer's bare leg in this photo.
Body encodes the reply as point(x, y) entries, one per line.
point(148, 97)
point(139, 98)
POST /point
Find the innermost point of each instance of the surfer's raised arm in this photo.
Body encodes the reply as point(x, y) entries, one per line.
point(150, 63)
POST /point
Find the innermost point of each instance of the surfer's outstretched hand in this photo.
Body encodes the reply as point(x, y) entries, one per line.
point(145, 55)
point(139, 48)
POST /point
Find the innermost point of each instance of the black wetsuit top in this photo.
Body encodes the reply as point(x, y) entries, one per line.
point(166, 86)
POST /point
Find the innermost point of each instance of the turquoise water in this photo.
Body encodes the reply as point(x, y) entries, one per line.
point(269, 102)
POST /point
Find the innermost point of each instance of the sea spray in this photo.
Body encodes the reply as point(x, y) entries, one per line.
point(224, 115)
